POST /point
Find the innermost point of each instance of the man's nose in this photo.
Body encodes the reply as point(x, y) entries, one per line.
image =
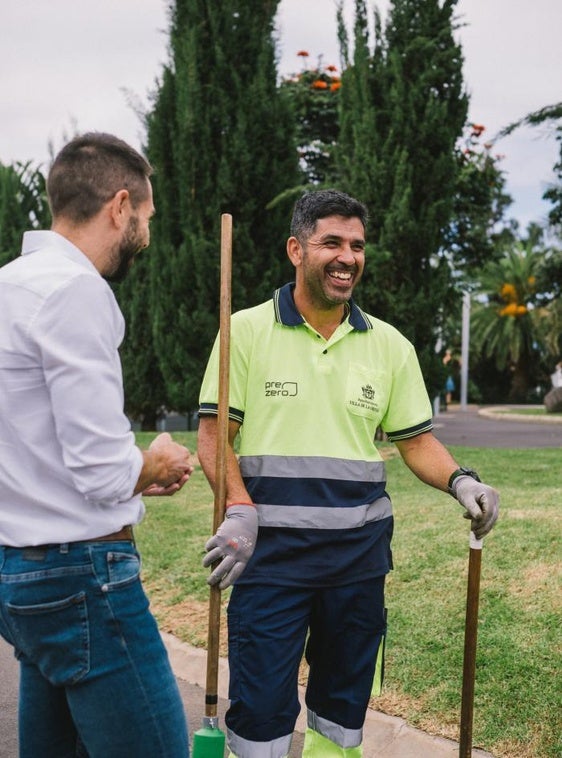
point(346, 255)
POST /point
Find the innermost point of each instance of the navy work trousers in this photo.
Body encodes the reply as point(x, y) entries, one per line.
point(268, 628)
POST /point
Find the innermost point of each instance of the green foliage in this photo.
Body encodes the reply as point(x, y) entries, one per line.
point(479, 205)
point(145, 392)
point(23, 206)
point(221, 138)
point(508, 324)
point(402, 110)
point(554, 193)
point(313, 94)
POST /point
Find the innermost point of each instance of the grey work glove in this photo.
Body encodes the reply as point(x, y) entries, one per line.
point(234, 543)
point(481, 503)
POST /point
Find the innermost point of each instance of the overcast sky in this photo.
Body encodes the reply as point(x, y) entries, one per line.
point(76, 65)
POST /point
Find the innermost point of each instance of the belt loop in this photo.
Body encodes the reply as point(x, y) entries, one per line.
point(63, 550)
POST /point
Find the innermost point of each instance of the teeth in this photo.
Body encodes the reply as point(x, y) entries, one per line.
point(341, 274)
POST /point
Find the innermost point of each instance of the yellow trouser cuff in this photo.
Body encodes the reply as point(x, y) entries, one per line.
point(317, 746)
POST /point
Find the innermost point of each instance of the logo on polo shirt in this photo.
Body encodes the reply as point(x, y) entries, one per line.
point(368, 392)
point(281, 389)
point(364, 402)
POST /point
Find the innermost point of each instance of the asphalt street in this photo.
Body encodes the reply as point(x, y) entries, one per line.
point(490, 427)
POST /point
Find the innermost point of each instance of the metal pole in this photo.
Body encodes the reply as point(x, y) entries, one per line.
point(465, 348)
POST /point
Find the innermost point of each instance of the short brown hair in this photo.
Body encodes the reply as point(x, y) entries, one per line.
point(88, 172)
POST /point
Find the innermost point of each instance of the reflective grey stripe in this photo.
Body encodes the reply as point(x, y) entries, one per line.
point(334, 732)
point(302, 517)
point(242, 748)
point(311, 467)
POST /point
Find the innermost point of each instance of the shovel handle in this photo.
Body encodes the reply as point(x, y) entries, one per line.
point(213, 636)
point(470, 638)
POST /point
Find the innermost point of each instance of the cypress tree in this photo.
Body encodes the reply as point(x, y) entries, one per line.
point(403, 108)
point(221, 139)
point(145, 390)
point(23, 206)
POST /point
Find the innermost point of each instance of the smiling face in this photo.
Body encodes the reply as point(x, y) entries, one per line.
point(329, 263)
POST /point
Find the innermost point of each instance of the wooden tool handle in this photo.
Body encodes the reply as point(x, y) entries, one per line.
point(213, 638)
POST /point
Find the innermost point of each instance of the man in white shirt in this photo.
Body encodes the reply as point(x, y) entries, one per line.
point(94, 674)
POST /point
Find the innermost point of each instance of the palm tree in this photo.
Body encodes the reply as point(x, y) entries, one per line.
point(508, 321)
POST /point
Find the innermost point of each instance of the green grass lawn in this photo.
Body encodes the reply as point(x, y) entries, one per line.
point(518, 700)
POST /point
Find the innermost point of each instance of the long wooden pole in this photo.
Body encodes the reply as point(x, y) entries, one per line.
point(211, 696)
point(470, 639)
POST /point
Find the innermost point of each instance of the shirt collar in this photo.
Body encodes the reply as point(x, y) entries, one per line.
point(37, 240)
point(286, 312)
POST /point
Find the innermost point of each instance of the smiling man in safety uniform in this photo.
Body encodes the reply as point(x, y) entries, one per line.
point(306, 537)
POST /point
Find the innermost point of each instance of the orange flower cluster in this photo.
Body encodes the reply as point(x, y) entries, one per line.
point(326, 78)
point(514, 309)
point(508, 292)
point(477, 130)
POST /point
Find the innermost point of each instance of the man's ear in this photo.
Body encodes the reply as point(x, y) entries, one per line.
point(119, 207)
point(294, 251)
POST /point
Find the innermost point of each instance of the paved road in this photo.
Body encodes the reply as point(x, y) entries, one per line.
point(8, 702)
point(481, 427)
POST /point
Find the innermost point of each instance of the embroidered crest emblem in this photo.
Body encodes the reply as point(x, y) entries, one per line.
point(368, 392)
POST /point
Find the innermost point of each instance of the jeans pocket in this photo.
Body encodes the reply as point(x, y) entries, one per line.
point(55, 637)
point(122, 570)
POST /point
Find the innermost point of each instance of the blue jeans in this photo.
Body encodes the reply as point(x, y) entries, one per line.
point(94, 670)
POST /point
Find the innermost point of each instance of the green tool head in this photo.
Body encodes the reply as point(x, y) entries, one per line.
point(208, 742)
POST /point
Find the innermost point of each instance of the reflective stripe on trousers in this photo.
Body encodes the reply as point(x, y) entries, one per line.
point(323, 739)
point(242, 748)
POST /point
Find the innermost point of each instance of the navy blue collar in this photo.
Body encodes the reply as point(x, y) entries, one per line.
point(286, 312)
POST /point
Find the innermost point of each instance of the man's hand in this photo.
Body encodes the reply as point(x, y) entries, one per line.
point(157, 490)
point(234, 543)
point(166, 467)
point(481, 503)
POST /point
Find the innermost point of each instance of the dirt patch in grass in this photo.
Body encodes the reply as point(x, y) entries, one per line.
point(541, 579)
point(186, 619)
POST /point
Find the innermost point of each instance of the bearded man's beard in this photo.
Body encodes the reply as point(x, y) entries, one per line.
point(131, 243)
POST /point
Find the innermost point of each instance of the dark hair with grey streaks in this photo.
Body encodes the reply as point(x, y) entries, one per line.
point(318, 204)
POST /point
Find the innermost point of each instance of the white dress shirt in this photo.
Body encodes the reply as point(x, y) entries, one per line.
point(68, 460)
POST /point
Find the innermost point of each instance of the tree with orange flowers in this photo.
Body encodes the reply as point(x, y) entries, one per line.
point(314, 95)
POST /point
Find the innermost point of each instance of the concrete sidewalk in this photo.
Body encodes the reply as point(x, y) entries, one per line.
point(383, 737)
